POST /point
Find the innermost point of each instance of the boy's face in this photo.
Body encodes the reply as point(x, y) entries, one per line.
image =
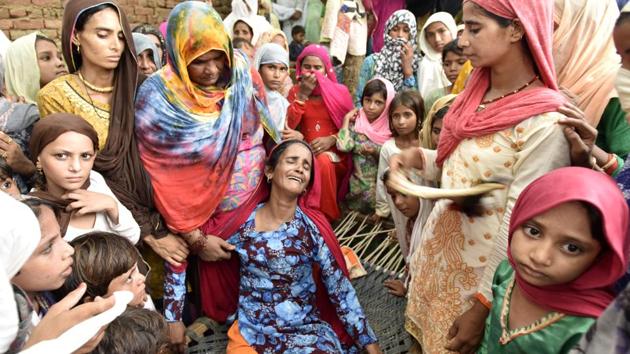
point(299, 37)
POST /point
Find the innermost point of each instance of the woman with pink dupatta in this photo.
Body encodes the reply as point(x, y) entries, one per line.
point(363, 133)
point(317, 107)
point(502, 128)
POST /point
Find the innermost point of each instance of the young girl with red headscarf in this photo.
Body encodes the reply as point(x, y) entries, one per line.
point(567, 247)
point(503, 128)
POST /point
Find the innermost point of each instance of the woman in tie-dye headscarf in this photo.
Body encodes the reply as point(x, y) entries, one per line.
point(199, 123)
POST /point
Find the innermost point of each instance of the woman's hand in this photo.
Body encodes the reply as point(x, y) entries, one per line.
point(579, 133)
point(216, 249)
point(322, 144)
point(466, 333)
point(308, 81)
point(290, 134)
point(406, 56)
point(396, 287)
point(373, 349)
point(11, 152)
point(177, 336)
point(86, 202)
point(408, 158)
point(171, 248)
point(63, 316)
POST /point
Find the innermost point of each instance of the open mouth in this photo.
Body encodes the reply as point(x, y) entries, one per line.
point(297, 179)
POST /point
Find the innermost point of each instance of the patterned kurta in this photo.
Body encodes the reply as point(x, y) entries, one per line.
point(276, 312)
point(362, 194)
point(555, 333)
point(458, 254)
point(68, 94)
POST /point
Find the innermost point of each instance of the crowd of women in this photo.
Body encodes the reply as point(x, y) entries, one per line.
point(217, 155)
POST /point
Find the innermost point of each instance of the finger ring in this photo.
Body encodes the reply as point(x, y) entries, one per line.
point(4, 155)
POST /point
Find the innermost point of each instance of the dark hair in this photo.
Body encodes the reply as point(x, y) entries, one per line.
point(297, 29)
point(85, 15)
point(441, 113)
point(412, 100)
point(135, 331)
point(251, 30)
point(623, 17)
point(502, 21)
point(374, 87)
point(39, 37)
point(99, 257)
point(452, 47)
point(597, 224)
point(5, 170)
point(239, 43)
point(276, 153)
point(385, 176)
point(36, 204)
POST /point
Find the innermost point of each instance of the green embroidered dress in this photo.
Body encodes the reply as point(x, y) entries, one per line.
point(555, 333)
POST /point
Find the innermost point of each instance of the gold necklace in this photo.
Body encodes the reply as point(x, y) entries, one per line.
point(483, 104)
point(95, 88)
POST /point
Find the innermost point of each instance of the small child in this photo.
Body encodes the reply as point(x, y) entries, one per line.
point(245, 46)
point(405, 121)
point(432, 126)
point(64, 147)
point(135, 331)
point(297, 44)
point(106, 263)
point(7, 183)
point(49, 265)
point(409, 206)
point(621, 36)
point(567, 247)
point(453, 60)
point(363, 132)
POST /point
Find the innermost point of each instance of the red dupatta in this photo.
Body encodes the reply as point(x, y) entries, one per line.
point(336, 97)
point(591, 292)
point(464, 121)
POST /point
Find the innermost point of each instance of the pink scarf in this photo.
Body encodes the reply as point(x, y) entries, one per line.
point(377, 131)
point(336, 96)
point(590, 293)
point(463, 121)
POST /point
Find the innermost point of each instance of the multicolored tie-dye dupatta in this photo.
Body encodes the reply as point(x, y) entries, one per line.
point(188, 135)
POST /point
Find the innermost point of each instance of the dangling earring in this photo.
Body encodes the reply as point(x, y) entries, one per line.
point(79, 48)
point(268, 179)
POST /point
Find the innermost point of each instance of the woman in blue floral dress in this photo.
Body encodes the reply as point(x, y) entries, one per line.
point(280, 246)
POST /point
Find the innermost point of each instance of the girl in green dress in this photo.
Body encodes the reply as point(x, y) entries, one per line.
point(567, 247)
